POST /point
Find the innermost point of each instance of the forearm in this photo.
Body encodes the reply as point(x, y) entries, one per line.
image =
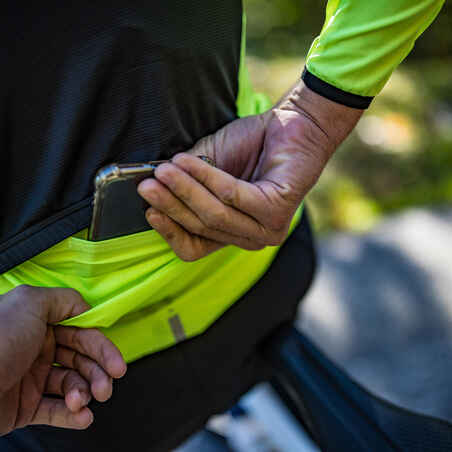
point(362, 43)
point(310, 143)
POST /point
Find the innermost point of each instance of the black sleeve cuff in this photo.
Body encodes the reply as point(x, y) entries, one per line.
point(335, 94)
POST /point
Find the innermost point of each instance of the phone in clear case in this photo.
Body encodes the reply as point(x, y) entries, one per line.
point(118, 208)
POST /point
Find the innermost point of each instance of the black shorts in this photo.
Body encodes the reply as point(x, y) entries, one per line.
point(167, 396)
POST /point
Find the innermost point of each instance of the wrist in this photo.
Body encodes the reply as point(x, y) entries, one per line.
point(334, 93)
point(334, 120)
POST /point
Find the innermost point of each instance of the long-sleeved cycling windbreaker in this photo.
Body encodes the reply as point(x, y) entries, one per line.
point(361, 44)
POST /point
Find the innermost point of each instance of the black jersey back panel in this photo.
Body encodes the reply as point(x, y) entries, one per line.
point(87, 83)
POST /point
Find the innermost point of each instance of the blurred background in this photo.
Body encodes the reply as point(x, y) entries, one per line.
point(381, 304)
point(399, 155)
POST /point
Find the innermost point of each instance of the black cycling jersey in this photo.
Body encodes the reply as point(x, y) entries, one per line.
point(89, 83)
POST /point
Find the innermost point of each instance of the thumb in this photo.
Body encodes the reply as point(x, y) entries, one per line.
point(236, 147)
point(62, 303)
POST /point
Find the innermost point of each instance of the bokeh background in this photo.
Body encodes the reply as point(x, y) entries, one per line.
point(399, 155)
point(381, 304)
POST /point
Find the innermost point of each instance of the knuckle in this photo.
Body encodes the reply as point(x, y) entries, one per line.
point(229, 194)
point(73, 293)
point(154, 218)
point(26, 291)
point(169, 236)
point(186, 195)
point(215, 220)
point(187, 255)
point(190, 253)
point(199, 228)
point(77, 340)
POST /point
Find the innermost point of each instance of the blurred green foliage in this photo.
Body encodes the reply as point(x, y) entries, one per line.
point(399, 155)
point(282, 27)
point(287, 27)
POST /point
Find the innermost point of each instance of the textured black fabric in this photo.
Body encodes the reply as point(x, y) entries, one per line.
point(167, 396)
point(338, 412)
point(87, 83)
point(335, 94)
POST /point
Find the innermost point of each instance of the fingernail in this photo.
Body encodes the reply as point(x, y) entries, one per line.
point(102, 390)
point(76, 394)
point(122, 370)
point(75, 400)
point(85, 418)
point(90, 417)
point(144, 186)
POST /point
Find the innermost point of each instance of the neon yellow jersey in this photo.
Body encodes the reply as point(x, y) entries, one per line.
point(362, 42)
point(143, 297)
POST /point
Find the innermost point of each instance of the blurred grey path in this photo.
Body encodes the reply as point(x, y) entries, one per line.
point(381, 307)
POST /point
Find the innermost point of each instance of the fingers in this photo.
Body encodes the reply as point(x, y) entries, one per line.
point(187, 247)
point(93, 344)
point(64, 303)
point(52, 304)
point(237, 193)
point(263, 201)
point(215, 214)
point(163, 200)
point(216, 201)
point(54, 412)
point(100, 383)
point(70, 385)
point(250, 198)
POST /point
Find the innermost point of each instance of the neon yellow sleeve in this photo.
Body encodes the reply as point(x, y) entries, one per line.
point(362, 42)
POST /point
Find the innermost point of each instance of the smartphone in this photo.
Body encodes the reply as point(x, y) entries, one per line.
point(118, 209)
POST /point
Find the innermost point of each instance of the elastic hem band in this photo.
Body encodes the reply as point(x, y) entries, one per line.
point(335, 94)
point(44, 235)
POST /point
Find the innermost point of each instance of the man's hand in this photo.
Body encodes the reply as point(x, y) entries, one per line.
point(30, 345)
point(265, 166)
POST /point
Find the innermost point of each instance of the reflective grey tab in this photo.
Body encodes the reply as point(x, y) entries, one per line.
point(177, 328)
